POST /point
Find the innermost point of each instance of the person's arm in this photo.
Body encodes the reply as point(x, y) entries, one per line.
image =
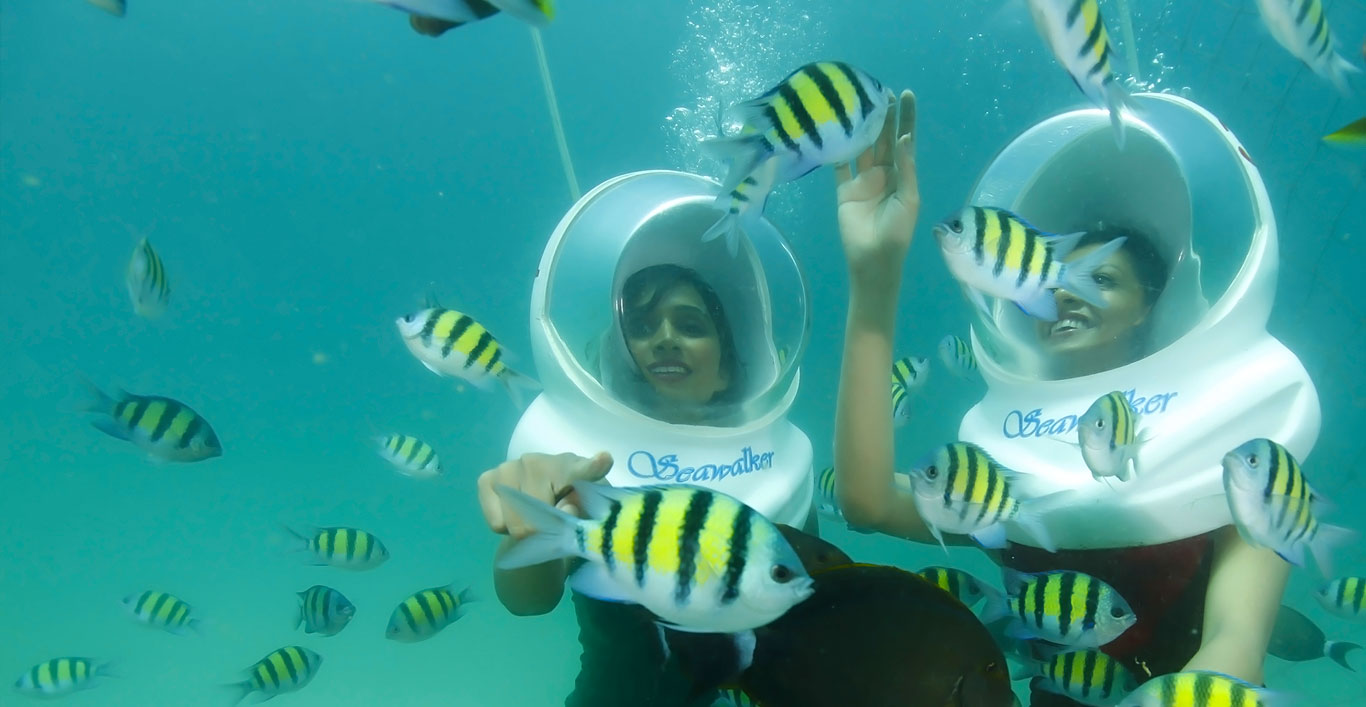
point(877, 214)
point(528, 591)
point(1241, 603)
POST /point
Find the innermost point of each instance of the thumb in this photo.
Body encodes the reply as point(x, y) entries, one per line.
point(593, 468)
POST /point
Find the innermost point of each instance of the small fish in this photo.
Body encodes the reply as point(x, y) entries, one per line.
point(1199, 688)
point(163, 611)
point(61, 676)
point(961, 489)
point(957, 356)
point(1344, 596)
point(699, 559)
point(148, 287)
point(908, 374)
point(346, 548)
point(1296, 638)
point(284, 670)
point(425, 613)
point(117, 8)
point(410, 455)
point(1064, 607)
point(1351, 134)
point(450, 343)
point(166, 429)
point(1273, 504)
point(434, 17)
point(1107, 436)
point(746, 205)
point(1075, 32)
point(963, 586)
point(994, 252)
point(1089, 677)
point(823, 113)
point(1301, 27)
point(324, 610)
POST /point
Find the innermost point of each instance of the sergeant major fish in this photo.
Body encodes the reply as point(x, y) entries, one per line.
point(425, 613)
point(409, 455)
point(324, 610)
point(1200, 688)
point(993, 251)
point(1301, 27)
point(961, 489)
point(1344, 596)
point(284, 670)
point(61, 676)
point(908, 374)
point(163, 611)
point(147, 283)
point(963, 586)
point(823, 113)
point(957, 356)
point(699, 559)
point(1108, 439)
point(347, 548)
point(435, 17)
point(1075, 32)
point(746, 205)
point(450, 343)
point(168, 430)
point(1087, 676)
point(1273, 505)
point(1064, 607)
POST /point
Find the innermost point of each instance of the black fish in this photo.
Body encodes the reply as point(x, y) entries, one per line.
point(870, 635)
point(1295, 638)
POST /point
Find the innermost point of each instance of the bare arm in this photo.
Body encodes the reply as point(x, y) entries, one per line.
point(1244, 595)
point(877, 213)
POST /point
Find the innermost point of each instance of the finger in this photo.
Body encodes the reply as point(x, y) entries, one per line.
point(906, 119)
point(908, 183)
point(882, 147)
point(592, 469)
point(489, 502)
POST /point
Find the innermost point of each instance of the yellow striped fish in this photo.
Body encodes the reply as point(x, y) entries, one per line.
point(117, 8)
point(1075, 32)
point(61, 676)
point(1353, 133)
point(166, 429)
point(961, 489)
point(1273, 504)
point(423, 614)
point(1108, 437)
point(745, 205)
point(450, 343)
point(908, 374)
point(347, 548)
point(1199, 688)
point(163, 611)
point(1301, 27)
point(1064, 607)
point(410, 455)
point(284, 670)
point(823, 113)
point(1344, 596)
point(963, 586)
point(324, 610)
point(1089, 677)
point(994, 252)
point(698, 559)
point(957, 356)
point(434, 17)
point(148, 287)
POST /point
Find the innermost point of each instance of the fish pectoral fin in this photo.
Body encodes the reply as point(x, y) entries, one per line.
point(592, 580)
point(992, 536)
point(111, 427)
point(1042, 306)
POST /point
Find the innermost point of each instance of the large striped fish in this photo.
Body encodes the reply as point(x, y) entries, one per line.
point(962, 585)
point(1064, 607)
point(1075, 32)
point(451, 343)
point(284, 670)
point(347, 548)
point(1088, 676)
point(425, 613)
point(163, 611)
point(324, 610)
point(700, 560)
point(148, 286)
point(409, 455)
point(60, 676)
point(1301, 27)
point(166, 429)
point(1109, 439)
point(994, 252)
point(823, 113)
point(961, 489)
point(1200, 688)
point(1273, 504)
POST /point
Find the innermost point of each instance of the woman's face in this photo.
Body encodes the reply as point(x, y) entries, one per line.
point(1087, 339)
point(677, 347)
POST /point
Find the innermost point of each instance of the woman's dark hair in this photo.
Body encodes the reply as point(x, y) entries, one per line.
point(1148, 264)
point(646, 287)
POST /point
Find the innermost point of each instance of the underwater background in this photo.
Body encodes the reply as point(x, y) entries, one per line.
point(311, 169)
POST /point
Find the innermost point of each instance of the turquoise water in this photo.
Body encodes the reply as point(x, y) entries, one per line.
point(310, 170)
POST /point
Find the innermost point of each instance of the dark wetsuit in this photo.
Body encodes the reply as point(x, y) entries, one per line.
point(1165, 586)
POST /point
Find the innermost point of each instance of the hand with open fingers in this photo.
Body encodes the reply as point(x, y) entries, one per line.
point(878, 207)
point(545, 477)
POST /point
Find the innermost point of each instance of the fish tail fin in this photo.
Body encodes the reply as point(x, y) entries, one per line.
point(1032, 524)
point(1337, 651)
point(94, 399)
point(236, 692)
point(728, 226)
point(742, 153)
point(1338, 70)
point(515, 383)
point(537, 13)
point(1325, 541)
point(554, 536)
point(1116, 100)
point(1076, 278)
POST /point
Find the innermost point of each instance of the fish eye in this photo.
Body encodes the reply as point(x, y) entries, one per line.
point(1118, 612)
point(931, 472)
point(1100, 424)
point(410, 318)
point(782, 574)
point(956, 225)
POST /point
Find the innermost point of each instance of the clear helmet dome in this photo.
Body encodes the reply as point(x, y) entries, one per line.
point(646, 228)
point(1192, 354)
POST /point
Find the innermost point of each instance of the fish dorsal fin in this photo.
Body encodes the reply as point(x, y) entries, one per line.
point(1063, 244)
